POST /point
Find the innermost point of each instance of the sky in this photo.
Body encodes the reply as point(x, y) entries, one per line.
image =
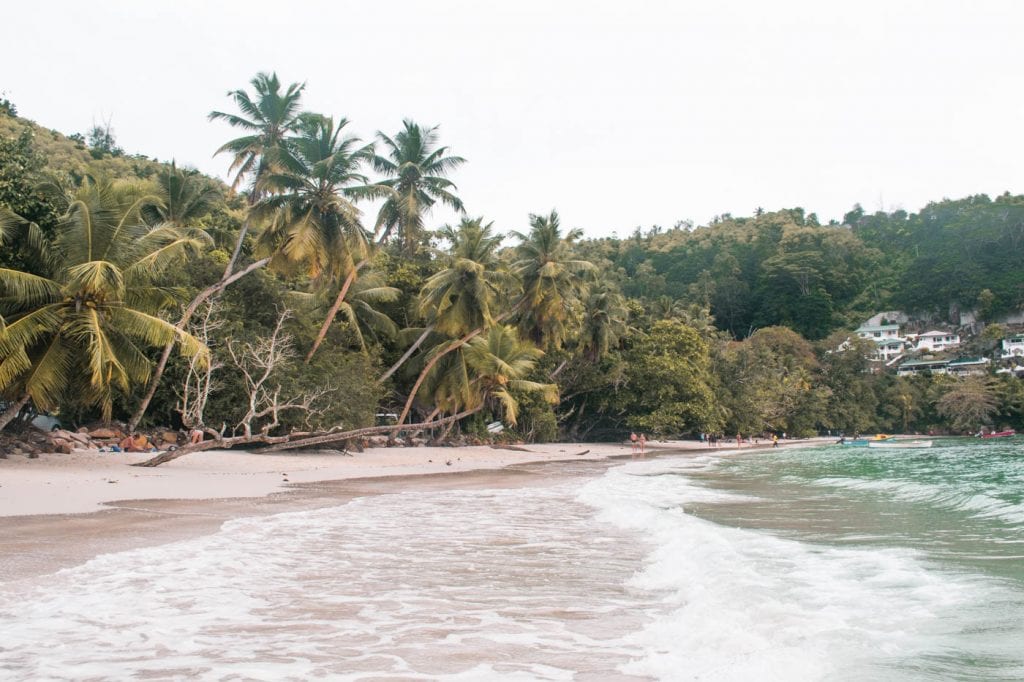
point(617, 114)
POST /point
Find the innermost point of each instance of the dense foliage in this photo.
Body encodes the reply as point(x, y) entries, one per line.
point(133, 289)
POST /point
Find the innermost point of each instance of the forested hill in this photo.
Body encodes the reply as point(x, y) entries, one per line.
point(134, 290)
point(783, 268)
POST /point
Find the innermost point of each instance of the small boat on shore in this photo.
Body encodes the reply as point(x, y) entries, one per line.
point(864, 442)
point(902, 444)
point(998, 434)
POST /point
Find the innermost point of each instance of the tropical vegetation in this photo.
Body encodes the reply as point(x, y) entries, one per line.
point(136, 290)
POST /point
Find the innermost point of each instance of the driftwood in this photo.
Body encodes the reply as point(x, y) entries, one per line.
point(290, 442)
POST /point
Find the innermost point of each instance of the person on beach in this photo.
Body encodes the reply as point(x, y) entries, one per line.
point(135, 442)
point(643, 443)
point(775, 440)
point(739, 440)
point(633, 439)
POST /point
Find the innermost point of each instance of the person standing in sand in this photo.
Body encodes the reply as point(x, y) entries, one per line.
point(643, 443)
point(775, 440)
point(739, 440)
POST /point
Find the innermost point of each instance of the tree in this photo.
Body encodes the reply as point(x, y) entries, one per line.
point(271, 116)
point(605, 320)
point(77, 325)
point(185, 198)
point(268, 119)
point(969, 404)
point(460, 300)
point(313, 218)
point(668, 382)
point(551, 279)
point(417, 170)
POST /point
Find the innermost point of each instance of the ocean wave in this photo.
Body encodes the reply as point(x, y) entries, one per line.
point(741, 604)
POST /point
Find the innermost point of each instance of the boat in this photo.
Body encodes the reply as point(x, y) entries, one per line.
point(904, 444)
point(864, 442)
point(999, 434)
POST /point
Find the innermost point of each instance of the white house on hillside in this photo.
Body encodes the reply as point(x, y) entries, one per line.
point(1013, 347)
point(889, 344)
point(935, 341)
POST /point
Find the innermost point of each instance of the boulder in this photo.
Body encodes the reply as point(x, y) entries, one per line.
point(103, 433)
point(170, 437)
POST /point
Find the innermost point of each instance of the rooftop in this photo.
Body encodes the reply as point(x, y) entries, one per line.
point(878, 328)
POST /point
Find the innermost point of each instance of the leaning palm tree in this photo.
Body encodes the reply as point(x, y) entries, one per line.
point(416, 169)
point(359, 307)
point(488, 370)
point(314, 222)
point(78, 323)
point(462, 300)
point(552, 279)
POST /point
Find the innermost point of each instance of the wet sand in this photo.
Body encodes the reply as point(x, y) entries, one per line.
point(91, 519)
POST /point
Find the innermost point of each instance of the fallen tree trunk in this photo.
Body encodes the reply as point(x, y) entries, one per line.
point(290, 442)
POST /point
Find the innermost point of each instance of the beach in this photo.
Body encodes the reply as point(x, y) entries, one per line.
point(809, 562)
point(60, 510)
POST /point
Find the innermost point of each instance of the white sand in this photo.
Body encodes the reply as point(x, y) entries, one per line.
point(84, 481)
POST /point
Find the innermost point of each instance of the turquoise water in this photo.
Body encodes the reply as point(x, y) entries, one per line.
point(957, 509)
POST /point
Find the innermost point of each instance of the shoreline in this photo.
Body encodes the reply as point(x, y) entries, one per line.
point(60, 511)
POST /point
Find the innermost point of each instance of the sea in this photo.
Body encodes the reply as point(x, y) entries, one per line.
point(813, 563)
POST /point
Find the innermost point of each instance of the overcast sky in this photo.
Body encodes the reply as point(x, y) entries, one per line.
point(618, 114)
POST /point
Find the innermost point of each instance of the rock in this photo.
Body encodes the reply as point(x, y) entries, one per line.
point(84, 429)
point(33, 455)
point(170, 437)
point(416, 442)
point(377, 441)
point(103, 433)
point(64, 448)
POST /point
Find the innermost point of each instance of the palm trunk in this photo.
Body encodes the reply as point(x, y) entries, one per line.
point(13, 410)
point(161, 365)
point(408, 354)
point(454, 346)
point(430, 365)
point(333, 312)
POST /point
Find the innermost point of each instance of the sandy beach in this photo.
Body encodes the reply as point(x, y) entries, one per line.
point(61, 510)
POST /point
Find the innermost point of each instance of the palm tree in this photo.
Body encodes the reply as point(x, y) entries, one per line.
point(461, 300)
point(268, 119)
point(605, 317)
point(314, 221)
point(416, 169)
point(488, 369)
point(359, 307)
point(77, 325)
point(185, 198)
point(552, 279)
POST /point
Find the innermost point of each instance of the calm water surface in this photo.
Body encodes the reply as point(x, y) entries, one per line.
point(794, 564)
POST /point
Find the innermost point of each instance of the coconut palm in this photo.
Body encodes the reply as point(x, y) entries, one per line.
point(605, 317)
point(314, 222)
point(416, 169)
point(185, 198)
point(77, 324)
point(462, 300)
point(489, 369)
point(552, 280)
point(267, 119)
point(359, 307)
